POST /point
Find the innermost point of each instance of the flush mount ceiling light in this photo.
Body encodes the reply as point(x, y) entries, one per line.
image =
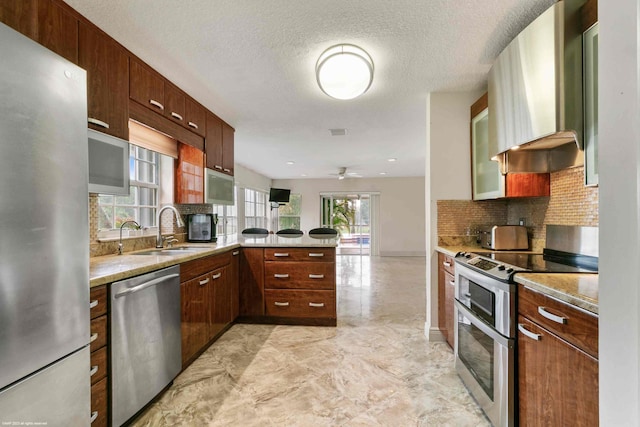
point(344, 71)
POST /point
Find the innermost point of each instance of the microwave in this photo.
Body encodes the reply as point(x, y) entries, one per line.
point(108, 164)
point(218, 188)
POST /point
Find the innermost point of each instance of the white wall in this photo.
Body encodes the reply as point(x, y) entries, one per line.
point(402, 208)
point(448, 176)
point(246, 178)
point(619, 161)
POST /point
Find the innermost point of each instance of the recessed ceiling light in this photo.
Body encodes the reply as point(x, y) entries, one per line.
point(304, 174)
point(393, 159)
point(338, 132)
point(291, 162)
point(383, 173)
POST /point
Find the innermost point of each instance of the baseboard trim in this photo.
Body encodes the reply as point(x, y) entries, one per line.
point(433, 334)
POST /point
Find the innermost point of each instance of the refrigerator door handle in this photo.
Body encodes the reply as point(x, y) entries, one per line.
point(146, 285)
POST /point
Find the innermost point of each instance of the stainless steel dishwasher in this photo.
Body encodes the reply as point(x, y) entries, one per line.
point(145, 339)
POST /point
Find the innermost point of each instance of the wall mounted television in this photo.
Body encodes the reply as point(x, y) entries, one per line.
point(279, 195)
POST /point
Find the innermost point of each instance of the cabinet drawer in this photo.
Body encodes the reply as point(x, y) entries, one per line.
point(300, 254)
point(98, 301)
point(197, 267)
point(98, 368)
point(571, 324)
point(99, 403)
point(98, 332)
point(300, 303)
point(300, 275)
point(448, 264)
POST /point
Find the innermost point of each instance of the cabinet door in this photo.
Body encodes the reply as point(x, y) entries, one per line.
point(58, 29)
point(590, 77)
point(252, 282)
point(449, 295)
point(189, 176)
point(558, 384)
point(107, 66)
point(219, 299)
point(146, 86)
point(487, 181)
point(213, 142)
point(174, 100)
point(442, 295)
point(194, 294)
point(21, 15)
point(234, 284)
point(227, 148)
point(195, 116)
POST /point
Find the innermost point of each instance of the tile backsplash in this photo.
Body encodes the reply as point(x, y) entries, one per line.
point(570, 203)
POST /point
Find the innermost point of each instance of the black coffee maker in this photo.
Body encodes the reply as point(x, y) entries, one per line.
point(202, 228)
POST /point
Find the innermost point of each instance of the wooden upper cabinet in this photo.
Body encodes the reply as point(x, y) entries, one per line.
point(174, 103)
point(107, 66)
point(213, 142)
point(195, 118)
point(58, 29)
point(21, 15)
point(227, 148)
point(146, 86)
point(189, 175)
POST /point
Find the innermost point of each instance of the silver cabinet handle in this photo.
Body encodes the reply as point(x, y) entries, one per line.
point(529, 334)
point(204, 282)
point(281, 254)
point(316, 255)
point(216, 276)
point(156, 104)
point(446, 264)
point(176, 115)
point(146, 285)
point(218, 167)
point(316, 304)
point(234, 253)
point(93, 337)
point(452, 282)
point(193, 125)
point(226, 170)
point(94, 415)
point(93, 304)
point(281, 276)
point(316, 276)
point(281, 304)
point(93, 370)
point(552, 317)
point(98, 122)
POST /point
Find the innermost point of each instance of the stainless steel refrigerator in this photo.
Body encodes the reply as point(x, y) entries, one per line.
point(44, 237)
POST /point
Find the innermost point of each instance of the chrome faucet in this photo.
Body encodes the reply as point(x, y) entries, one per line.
point(136, 226)
point(159, 243)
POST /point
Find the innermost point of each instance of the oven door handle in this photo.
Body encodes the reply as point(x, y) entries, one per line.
point(485, 328)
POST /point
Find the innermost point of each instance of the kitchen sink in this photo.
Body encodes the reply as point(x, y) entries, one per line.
point(173, 251)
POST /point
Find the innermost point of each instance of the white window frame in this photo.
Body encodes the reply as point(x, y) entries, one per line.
point(227, 217)
point(261, 218)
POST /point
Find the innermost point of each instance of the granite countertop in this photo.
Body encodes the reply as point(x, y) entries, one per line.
point(111, 268)
point(579, 289)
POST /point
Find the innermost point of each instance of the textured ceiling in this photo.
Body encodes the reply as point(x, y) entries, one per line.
point(252, 62)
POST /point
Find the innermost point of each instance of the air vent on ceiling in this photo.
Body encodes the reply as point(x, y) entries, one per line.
point(338, 132)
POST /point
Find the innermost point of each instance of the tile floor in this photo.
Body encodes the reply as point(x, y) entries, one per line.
point(374, 369)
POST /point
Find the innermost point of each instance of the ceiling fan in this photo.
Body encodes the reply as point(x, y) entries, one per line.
point(342, 173)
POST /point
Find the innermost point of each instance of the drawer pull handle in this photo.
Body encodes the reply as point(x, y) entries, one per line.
point(552, 317)
point(316, 304)
point(316, 255)
point(216, 276)
point(176, 115)
point(281, 304)
point(94, 369)
point(452, 282)
point(193, 125)
point(94, 415)
point(446, 264)
point(93, 304)
point(279, 254)
point(316, 276)
point(93, 337)
point(204, 282)
point(226, 170)
point(98, 122)
point(156, 104)
point(218, 167)
point(529, 334)
point(281, 276)
point(234, 253)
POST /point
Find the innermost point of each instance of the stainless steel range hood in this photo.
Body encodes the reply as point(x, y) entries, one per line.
point(535, 94)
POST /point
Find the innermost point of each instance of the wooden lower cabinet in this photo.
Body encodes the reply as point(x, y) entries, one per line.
point(300, 303)
point(252, 282)
point(99, 404)
point(195, 315)
point(446, 295)
point(98, 367)
point(557, 377)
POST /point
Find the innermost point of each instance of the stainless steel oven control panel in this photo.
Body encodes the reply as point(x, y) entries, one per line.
point(493, 268)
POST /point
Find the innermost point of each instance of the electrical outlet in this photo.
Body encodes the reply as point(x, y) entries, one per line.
point(522, 221)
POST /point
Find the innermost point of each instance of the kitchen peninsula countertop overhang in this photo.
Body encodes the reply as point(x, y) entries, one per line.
point(111, 268)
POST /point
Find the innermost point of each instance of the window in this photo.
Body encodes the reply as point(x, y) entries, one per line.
point(255, 208)
point(289, 213)
point(227, 217)
point(142, 202)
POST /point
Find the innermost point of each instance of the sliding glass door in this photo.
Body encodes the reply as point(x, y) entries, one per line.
point(350, 215)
